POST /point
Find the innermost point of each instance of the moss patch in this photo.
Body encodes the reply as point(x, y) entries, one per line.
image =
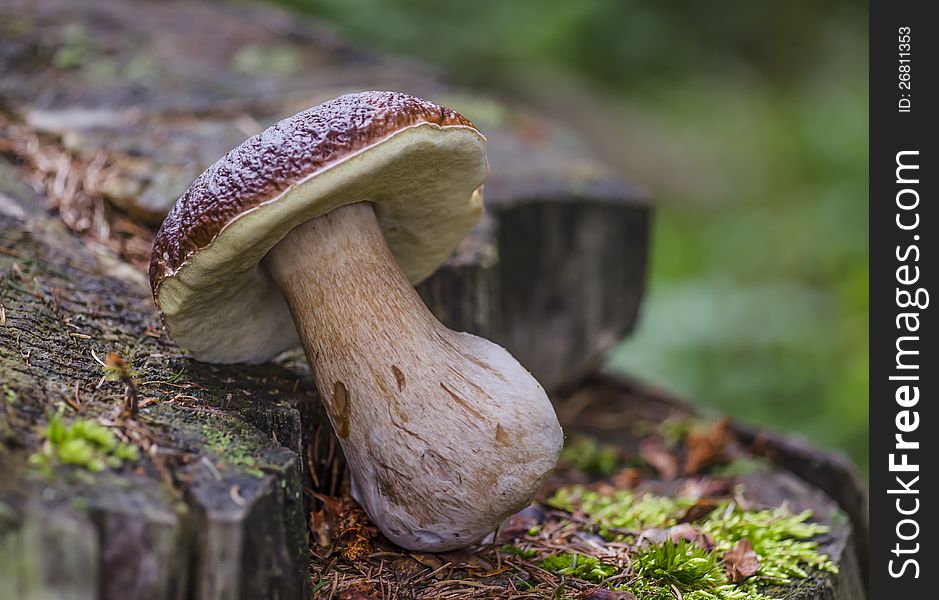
point(583, 567)
point(231, 444)
point(587, 455)
point(783, 542)
point(82, 443)
point(682, 565)
point(621, 510)
point(518, 551)
point(222, 444)
point(7, 395)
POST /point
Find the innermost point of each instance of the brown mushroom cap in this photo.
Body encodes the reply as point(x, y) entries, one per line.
point(421, 165)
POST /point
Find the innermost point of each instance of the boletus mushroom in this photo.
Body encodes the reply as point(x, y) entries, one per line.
point(313, 232)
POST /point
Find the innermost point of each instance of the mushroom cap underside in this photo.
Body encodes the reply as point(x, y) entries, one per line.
point(423, 173)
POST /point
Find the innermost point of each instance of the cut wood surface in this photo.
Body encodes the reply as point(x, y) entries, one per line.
point(137, 98)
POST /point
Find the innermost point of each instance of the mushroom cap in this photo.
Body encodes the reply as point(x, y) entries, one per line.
point(422, 166)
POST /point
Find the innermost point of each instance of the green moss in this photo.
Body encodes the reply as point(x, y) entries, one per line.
point(222, 444)
point(650, 590)
point(6, 512)
point(674, 430)
point(687, 566)
point(586, 454)
point(76, 45)
point(583, 567)
point(117, 368)
point(622, 510)
point(83, 443)
point(519, 551)
point(225, 439)
point(141, 68)
point(780, 538)
point(7, 395)
point(783, 542)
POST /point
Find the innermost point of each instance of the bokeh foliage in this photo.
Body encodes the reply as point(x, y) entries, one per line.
point(747, 121)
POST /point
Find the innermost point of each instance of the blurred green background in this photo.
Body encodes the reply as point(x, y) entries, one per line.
point(747, 122)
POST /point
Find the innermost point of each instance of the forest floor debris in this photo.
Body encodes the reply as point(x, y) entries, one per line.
point(694, 537)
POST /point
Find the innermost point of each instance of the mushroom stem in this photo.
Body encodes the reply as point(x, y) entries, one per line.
point(445, 434)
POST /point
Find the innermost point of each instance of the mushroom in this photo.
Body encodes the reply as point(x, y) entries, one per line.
point(313, 233)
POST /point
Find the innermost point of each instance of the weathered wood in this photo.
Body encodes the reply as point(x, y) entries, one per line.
point(608, 407)
point(216, 512)
point(158, 91)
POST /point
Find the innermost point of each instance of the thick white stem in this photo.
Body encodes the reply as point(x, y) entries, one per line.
point(445, 433)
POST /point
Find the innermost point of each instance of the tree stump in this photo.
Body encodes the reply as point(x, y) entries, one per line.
point(215, 511)
point(107, 111)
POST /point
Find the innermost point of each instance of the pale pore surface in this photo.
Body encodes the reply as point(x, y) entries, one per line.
point(446, 435)
point(425, 182)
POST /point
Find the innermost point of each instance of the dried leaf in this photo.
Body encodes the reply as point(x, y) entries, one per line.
point(698, 510)
point(705, 487)
point(428, 560)
point(653, 535)
point(325, 521)
point(690, 533)
point(518, 524)
point(657, 455)
point(466, 559)
point(707, 446)
point(320, 528)
point(627, 478)
point(741, 561)
point(358, 592)
point(355, 531)
point(404, 568)
point(683, 531)
point(342, 522)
